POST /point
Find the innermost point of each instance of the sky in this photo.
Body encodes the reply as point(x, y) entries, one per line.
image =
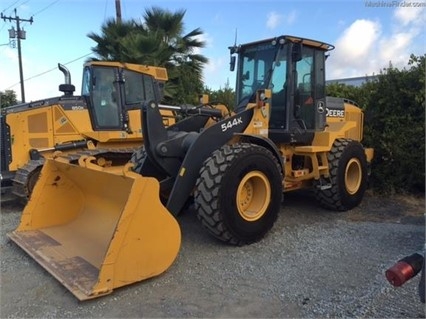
point(367, 35)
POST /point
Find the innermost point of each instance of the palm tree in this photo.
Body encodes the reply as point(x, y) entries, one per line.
point(183, 63)
point(110, 45)
point(157, 40)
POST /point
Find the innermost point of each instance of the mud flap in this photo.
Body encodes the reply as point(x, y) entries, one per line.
point(95, 230)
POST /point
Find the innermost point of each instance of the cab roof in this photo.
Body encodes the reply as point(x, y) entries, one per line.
point(308, 42)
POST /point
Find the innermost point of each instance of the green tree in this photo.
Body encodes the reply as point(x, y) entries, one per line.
point(8, 98)
point(157, 40)
point(224, 96)
point(343, 91)
point(395, 125)
point(110, 45)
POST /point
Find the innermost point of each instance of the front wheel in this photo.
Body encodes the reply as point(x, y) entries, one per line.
point(238, 194)
point(348, 176)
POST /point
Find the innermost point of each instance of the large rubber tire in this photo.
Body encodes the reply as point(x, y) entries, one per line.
point(138, 157)
point(348, 175)
point(238, 193)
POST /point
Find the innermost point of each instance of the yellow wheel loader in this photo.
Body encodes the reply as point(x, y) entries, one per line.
point(98, 228)
point(106, 116)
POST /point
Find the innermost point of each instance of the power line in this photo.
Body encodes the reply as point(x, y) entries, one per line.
point(10, 6)
point(21, 35)
point(26, 1)
point(50, 70)
point(46, 7)
point(43, 9)
point(36, 13)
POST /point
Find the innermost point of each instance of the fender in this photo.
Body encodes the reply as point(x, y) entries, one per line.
point(266, 143)
point(202, 147)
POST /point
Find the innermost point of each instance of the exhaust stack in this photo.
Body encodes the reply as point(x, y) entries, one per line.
point(67, 87)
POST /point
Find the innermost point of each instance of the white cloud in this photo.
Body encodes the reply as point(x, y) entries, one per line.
point(216, 73)
point(214, 65)
point(38, 82)
point(395, 48)
point(273, 20)
point(10, 65)
point(358, 39)
point(207, 39)
point(291, 17)
point(354, 48)
point(409, 15)
point(366, 47)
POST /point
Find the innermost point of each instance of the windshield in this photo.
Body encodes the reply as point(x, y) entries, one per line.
point(99, 83)
point(261, 66)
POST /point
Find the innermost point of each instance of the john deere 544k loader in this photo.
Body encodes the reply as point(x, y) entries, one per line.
point(98, 228)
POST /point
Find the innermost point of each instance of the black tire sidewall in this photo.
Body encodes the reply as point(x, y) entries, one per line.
point(138, 157)
point(353, 150)
point(253, 161)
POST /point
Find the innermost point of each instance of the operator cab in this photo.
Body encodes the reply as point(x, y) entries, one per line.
point(111, 91)
point(293, 69)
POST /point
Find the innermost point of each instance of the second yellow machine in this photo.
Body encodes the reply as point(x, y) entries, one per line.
point(98, 228)
point(106, 116)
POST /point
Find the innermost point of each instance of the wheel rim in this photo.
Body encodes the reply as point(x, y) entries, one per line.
point(253, 196)
point(353, 176)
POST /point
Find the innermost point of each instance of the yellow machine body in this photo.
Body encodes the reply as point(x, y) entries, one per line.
point(349, 126)
point(38, 129)
point(43, 129)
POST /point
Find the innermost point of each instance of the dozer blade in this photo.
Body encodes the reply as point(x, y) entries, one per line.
point(94, 230)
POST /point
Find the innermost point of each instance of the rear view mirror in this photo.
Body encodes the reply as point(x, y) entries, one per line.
point(296, 52)
point(232, 63)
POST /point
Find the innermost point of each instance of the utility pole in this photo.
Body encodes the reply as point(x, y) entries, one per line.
point(20, 34)
point(117, 11)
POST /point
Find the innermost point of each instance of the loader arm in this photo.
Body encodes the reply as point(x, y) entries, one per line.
point(180, 154)
point(165, 145)
point(202, 147)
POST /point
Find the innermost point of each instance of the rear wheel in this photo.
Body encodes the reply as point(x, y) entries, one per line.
point(143, 165)
point(348, 175)
point(138, 158)
point(238, 194)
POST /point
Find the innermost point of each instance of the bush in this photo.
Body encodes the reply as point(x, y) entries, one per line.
point(394, 106)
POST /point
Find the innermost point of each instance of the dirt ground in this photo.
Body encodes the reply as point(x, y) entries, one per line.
point(313, 264)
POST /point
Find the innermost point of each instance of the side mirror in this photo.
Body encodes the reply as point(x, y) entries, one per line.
point(296, 52)
point(232, 63)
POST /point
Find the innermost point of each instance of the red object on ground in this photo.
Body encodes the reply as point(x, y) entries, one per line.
point(399, 274)
point(405, 269)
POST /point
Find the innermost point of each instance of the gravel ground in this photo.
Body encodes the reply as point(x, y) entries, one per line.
point(313, 264)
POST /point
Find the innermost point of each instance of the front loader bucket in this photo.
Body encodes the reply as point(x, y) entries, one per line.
point(95, 230)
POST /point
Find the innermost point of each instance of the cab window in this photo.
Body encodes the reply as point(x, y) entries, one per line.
point(304, 95)
point(138, 88)
point(104, 97)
